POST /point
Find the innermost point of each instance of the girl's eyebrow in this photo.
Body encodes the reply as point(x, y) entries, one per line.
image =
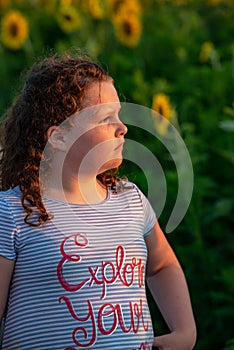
point(95, 111)
point(112, 107)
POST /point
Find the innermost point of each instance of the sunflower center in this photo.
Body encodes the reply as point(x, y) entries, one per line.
point(127, 28)
point(67, 18)
point(14, 29)
point(160, 110)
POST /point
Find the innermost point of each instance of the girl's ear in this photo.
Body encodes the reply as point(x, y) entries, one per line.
point(56, 138)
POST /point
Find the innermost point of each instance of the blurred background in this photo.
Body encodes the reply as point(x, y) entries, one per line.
point(176, 57)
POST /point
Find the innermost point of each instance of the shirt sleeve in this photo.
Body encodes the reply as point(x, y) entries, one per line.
point(149, 215)
point(8, 231)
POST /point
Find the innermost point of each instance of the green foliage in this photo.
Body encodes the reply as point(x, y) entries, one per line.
point(186, 51)
point(229, 345)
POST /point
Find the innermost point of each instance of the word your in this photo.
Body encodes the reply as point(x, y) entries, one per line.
point(106, 310)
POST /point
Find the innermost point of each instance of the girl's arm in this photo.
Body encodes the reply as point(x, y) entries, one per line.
point(6, 271)
point(168, 287)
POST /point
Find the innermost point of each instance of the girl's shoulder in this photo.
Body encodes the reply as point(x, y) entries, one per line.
point(11, 197)
point(125, 186)
point(129, 189)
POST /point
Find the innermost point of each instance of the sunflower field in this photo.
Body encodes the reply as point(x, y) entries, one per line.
point(176, 57)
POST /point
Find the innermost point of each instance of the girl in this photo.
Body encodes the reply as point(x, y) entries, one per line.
point(76, 242)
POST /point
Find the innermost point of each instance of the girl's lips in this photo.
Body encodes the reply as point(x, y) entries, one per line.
point(119, 146)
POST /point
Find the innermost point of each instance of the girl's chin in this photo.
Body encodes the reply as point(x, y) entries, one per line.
point(112, 164)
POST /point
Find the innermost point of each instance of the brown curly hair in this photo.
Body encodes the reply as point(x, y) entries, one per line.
point(54, 90)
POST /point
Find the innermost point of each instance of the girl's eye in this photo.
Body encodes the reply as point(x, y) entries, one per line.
point(106, 120)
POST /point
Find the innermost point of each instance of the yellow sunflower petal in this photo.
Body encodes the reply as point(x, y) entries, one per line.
point(161, 105)
point(96, 8)
point(14, 30)
point(130, 6)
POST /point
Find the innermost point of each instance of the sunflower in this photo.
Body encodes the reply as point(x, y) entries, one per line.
point(14, 30)
point(130, 6)
point(68, 18)
point(96, 8)
point(162, 106)
point(128, 28)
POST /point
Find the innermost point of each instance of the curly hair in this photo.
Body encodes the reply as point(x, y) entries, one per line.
point(54, 90)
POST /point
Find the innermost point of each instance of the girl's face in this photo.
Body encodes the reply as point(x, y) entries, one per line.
point(95, 141)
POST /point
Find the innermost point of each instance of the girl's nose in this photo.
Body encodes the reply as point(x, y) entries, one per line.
point(121, 130)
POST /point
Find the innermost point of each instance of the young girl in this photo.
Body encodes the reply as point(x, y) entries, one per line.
point(76, 242)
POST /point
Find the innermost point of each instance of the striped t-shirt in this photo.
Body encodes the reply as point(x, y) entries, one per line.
point(79, 280)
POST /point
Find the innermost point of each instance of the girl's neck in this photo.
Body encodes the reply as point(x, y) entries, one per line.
point(86, 191)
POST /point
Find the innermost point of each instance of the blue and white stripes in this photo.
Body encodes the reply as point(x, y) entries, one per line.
point(79, 279)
